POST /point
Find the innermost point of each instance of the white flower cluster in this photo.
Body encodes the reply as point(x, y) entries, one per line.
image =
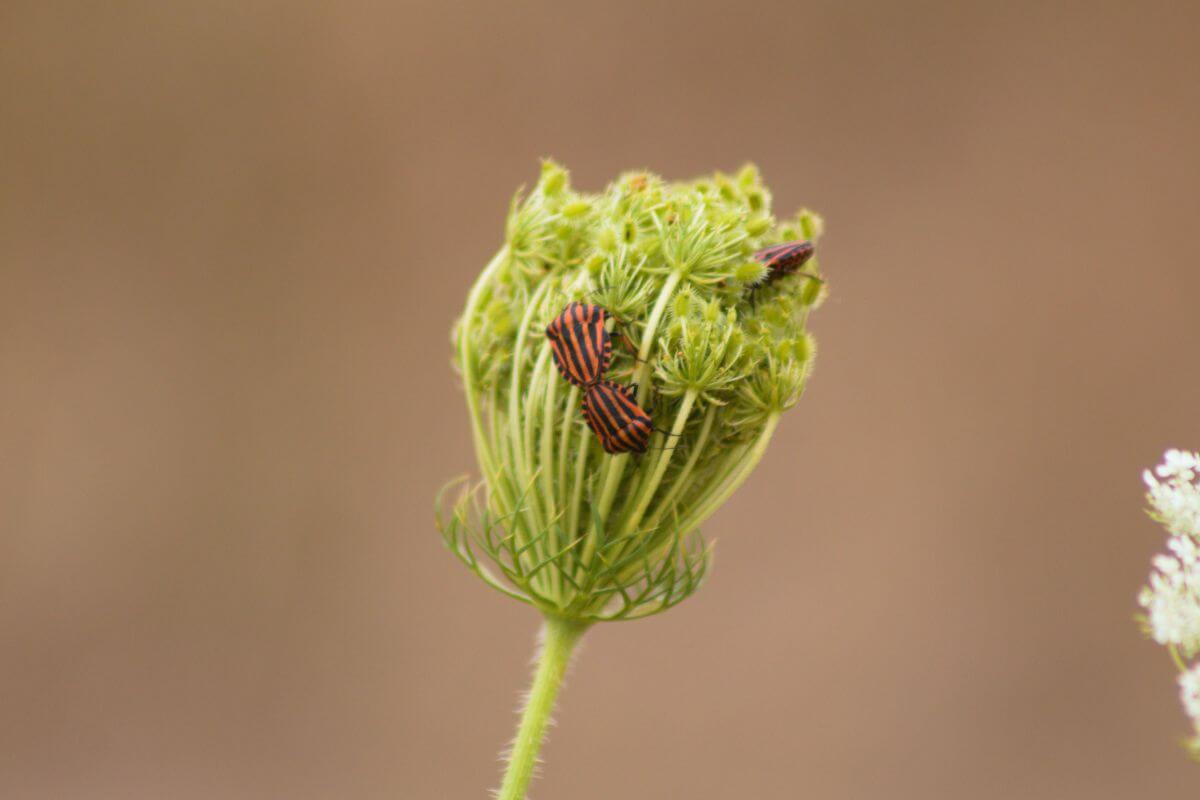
point(1172, 596)
point(1174, 492)
point(1172, 600)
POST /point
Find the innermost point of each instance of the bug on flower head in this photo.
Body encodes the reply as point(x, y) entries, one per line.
point(784, 259)
point(612, 412)
point(580, 343)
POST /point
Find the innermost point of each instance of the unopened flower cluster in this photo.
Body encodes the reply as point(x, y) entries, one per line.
point(717, 353)
point(1171, 598)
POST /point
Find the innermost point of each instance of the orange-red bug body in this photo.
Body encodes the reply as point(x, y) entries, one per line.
point(784, 259)
point(612, 412)
point(580, 343)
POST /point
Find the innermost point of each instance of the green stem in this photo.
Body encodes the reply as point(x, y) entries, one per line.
point(646, 494)
point(474, 299)
point(519, 438)
point(559, 637)
point(551, 508)
point(742, 471)
point(681, 479)
point(1178, 659)
point(570, 408)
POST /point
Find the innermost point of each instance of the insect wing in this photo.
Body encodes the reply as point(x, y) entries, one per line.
point(580, 343)
point(784, 259)
point(615, 417)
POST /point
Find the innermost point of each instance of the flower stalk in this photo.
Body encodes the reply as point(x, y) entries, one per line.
point(559, 640)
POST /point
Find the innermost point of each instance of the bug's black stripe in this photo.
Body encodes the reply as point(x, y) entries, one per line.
point(597, 424)
point(767, 253)
point(572, 363)
point(642, 432)
point(784, 250)
point(589, 418)
point(585, 350)
point(587, 365)
point(578, 358)
point(594, 422)
point(555, 335)
point(623, 416)
point(590, 346)
point(560, 358)
point(607, 409)
point(625, 397)
point(605, 424)
point(638, 426)
point(601, 347)
point(796, 256)
point(600, 424)
point(784, 259)
point(599, 341)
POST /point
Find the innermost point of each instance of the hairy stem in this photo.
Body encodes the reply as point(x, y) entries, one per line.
point(559, 638)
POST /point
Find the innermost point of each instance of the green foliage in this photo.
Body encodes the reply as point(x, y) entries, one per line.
point(623, 578)
point(717, 354)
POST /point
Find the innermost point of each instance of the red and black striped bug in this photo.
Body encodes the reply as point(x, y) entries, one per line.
point(582, 351)
point(612, 412)
point(784, 259)
point(580, 343)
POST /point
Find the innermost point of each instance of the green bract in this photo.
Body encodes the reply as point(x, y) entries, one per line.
point(720, 355)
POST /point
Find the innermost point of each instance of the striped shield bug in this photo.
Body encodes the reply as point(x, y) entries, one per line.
point(784, 259)
point(580, 343)
point(612, 412)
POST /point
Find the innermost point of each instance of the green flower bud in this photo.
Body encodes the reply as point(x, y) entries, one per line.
point(576, 208)
point(594, 263)
point(812, 292)
point(811, 225)
point(629, 232)
point(750, 272)
point(748, 176)
point(725, 186)
point(609, 237)
point(804, 348)
point(553, 179)
point(682, 303)
point(717, 356)
point(757, 226)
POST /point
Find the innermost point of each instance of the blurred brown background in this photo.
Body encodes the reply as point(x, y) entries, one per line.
point(233, 238)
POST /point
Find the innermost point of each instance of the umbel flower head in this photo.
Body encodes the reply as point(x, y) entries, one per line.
point(1171, 597)
point(715, 348)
